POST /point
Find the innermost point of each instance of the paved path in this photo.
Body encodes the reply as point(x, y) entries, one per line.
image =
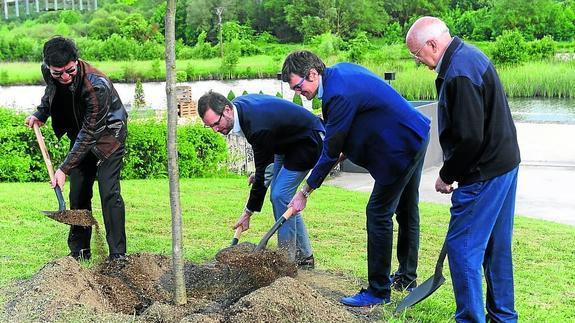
point(546, 174)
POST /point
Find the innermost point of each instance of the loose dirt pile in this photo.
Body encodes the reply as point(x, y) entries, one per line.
point(239, 286)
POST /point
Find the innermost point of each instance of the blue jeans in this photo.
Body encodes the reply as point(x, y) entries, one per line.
point(479, 235)
point(292, 235)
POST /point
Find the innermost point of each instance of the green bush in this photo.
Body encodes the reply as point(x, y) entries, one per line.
point(297, 99)
point(21, 158)
point(510, 49)
point(543, 48)
point(201, 151)
point(358, 47)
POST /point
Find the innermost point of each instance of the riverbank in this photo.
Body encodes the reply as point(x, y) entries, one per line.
point(547, 79)
point(546, 174)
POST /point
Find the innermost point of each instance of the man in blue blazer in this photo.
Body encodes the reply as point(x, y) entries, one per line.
point(376, 128)
point(280, 132)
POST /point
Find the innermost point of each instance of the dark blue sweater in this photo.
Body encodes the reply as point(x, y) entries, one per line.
point(476, 130)
point(277, 126)
point(369, 122)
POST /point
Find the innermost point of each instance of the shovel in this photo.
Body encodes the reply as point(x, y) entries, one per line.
point(274, 228)
point(236, 238)
point(73, 217)
point(422, 291)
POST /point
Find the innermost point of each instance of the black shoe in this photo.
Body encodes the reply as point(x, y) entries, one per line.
point(306, 263)
point(83, 254)
point(117, 257)
point(400, 284)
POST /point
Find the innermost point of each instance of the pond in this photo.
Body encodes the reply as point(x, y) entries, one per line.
point(25, 98)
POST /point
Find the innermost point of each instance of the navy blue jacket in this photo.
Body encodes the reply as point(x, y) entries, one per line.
point(476, 130)
point(276, 126)
point(369, 122)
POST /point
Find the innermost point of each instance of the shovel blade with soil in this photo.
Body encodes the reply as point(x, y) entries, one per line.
point(424, 290)
point(72, 217)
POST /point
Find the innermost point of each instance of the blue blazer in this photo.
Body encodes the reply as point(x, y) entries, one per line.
point(276, 126)
point(367, 120)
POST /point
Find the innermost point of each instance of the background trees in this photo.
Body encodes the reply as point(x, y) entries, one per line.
point(133, 29)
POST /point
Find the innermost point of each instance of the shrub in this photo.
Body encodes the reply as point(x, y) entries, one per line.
point(316, 104)
point(21, 158)
point(510, 48)
point(297, 99)
point(542, 48)
point(181, 76)
point(358, 47)
point(327, 44)
point(201, 151)
point(232, 51)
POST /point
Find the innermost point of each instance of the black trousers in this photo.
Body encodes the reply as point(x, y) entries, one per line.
point(401, 198)
point(81, 184)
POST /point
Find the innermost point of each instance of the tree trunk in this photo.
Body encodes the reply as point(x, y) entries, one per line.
point(173, 171)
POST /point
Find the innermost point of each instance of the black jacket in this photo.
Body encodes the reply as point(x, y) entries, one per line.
point(476, 130)
point(276, 126)
point(99, 117)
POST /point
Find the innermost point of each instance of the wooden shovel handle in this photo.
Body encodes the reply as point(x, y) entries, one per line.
point(44, 151)
point(237, 235)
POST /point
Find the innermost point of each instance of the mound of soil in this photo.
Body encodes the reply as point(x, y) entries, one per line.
point(239, 286)
point(287, 300)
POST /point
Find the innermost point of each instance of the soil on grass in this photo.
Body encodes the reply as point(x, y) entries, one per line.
point(82, 218)
point(238, 286)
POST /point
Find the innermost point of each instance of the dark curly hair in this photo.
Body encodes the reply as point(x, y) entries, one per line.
point(59, 51)
point(300, 63)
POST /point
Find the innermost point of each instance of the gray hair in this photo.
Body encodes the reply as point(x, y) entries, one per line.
point(434, 28)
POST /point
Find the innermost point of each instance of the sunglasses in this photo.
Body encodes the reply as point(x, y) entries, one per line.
point(69, 71)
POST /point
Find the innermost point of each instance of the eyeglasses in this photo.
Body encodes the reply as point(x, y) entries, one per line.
point(58, 74)
point(299, 84)
point(217, 123)
point(416, 54)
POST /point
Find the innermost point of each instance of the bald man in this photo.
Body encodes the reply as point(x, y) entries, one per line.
point(481, 154)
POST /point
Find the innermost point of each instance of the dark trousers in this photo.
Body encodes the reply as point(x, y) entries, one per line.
point(81, 184)
point(401, 198)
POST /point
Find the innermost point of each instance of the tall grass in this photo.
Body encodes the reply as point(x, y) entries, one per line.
point(553, 78)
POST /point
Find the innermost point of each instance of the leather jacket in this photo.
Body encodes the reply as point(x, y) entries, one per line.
point(99, 115)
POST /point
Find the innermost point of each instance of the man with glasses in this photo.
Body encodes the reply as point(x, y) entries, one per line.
point(281, 133)
point(376, 128)
point(85, 106)
point(481, 154)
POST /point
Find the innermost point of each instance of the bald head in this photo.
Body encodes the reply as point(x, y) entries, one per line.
point(428, 31)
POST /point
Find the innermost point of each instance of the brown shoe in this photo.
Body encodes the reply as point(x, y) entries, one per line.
point(306, 263)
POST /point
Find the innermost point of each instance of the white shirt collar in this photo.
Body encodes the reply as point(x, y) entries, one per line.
point(237, 129)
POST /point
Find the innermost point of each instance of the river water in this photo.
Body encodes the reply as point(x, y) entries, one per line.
point(25, 98)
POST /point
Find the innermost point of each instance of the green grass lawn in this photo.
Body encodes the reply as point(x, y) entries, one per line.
point(544, 256)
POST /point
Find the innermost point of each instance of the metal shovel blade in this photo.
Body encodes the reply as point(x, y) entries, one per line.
point(82, 218)
point(424, 290)
point(263, 243)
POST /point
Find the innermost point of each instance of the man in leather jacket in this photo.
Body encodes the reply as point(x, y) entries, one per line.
point(85, 106)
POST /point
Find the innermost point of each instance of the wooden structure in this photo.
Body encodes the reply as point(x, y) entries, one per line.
point(186, 106)
point(13, 6)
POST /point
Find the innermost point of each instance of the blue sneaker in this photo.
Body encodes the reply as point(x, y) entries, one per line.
point(364, 298)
